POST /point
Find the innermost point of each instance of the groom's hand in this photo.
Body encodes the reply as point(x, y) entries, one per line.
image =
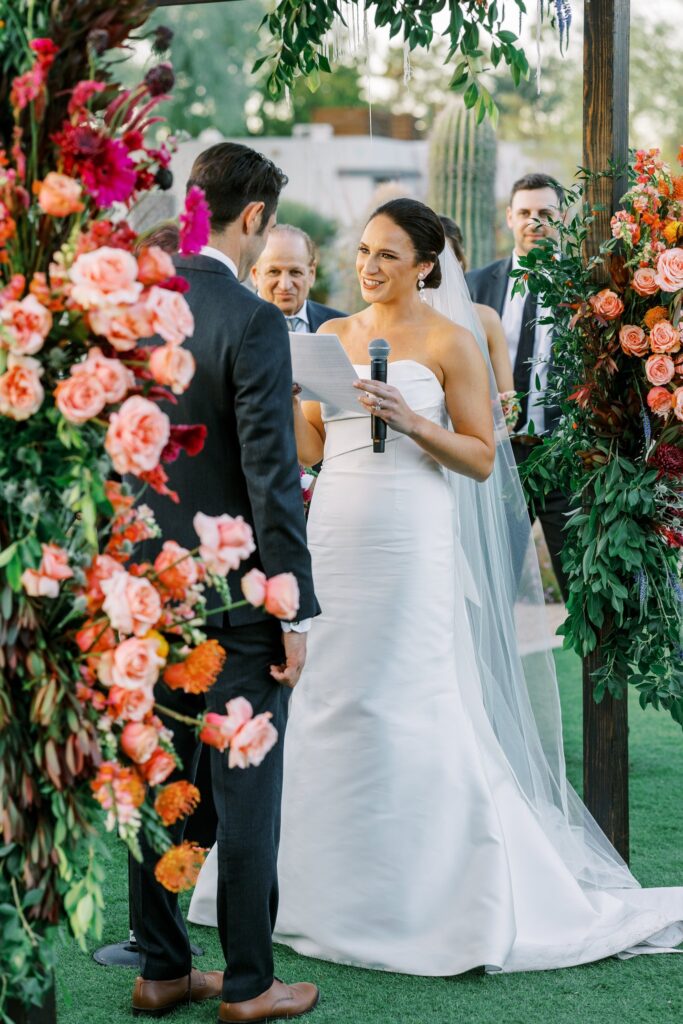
point(295, 659)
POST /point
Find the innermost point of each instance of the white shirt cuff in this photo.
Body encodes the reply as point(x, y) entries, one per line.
point(296, 627)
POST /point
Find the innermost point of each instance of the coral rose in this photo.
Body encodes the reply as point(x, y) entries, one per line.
point(37, 585)
point(131, 602)
point(158, 768)
point(664, 337)
point(224, 541)
point(134, 664)
point(254, 585)
point(173, 367)
point(633, 340)
point(101, 568)
point(122, 326)
point(644, 281)
point(282, 596)
point(21, 393)
point(80, 397)
point(115, 378)
point(55, 563)
point(154, 265)
point(170, 315)
point(59, 195)
point(176, 569)
point(129, 705)
point(670, 270)
point(216, 731)
point(252, 741)
point(139, 741)
point(137, 435)
point(25, 326)
point(659, 369)
point(607, 304)
point(105, 277)
point(678, 403)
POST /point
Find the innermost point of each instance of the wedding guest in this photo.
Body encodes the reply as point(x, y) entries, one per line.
point(284, 275)
point(166, 235)
point(536, 201)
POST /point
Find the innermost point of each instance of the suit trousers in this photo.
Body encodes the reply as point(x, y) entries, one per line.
point(248, 807)
point(552, 518)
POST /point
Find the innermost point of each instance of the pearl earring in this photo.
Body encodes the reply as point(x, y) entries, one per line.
point(421, 286)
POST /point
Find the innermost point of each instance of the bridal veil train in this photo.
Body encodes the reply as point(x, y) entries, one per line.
point(428, 825)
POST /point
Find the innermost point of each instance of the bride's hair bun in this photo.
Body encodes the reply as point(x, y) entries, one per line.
point(424, 229)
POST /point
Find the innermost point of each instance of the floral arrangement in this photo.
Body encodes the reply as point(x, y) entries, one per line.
point(86, 628)
point(619, 447)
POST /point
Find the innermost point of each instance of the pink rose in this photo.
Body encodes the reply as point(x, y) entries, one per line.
point(170, 315)
point(670, 270)
point(139, 741)
point(282, 596)
point(122, 326)
point(644, 281)
point(154, 265)
point(115, 378)
point(80, 397)
point(659, 369)
point(173, 367)
point(607, 304)
point(239, 713)
point(678, 403)
point(137, 435)
point(224, 541)
point(21, 393)
point(53, 568)
point(134, 664)
point(25, 326)
point(254, 585)
point(633, 340)
point(129, 705)
point(105, 277)
point(660, 401)
point(101, 568)
point(664, 337)
point(176, 568)
point(252, 741)
point(37, 585)
point(131, 602)
point(158, 768)
point(59, 195)
point(215, 731)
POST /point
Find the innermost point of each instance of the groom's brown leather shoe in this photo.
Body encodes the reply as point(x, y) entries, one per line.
point(158, 997)
point(280, 1002)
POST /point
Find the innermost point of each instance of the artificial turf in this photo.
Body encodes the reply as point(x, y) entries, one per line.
point(639, 991)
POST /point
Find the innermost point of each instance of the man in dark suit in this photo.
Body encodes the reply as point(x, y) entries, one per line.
point(284, 275)
point(242, 392)
point(536, 200)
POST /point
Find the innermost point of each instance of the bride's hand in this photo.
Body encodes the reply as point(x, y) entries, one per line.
point(387, 403)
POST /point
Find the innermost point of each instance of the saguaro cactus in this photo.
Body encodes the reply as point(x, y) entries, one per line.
point(462, 173)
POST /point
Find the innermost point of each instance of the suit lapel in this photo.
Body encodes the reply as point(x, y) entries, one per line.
point(499, 284)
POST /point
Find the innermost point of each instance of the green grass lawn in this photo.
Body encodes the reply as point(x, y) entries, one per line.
point(646, 989)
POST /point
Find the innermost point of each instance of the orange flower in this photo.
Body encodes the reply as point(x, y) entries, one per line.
point(119, 790)
point(179, 867)
point(672, 230)
point(176, 801)
point(654, 315)
point(678, 186)
point(199, 671)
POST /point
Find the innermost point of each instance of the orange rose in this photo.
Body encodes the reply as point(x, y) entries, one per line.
point(139, 741)
point(633, 340)
point(170, 314)
point(59, 195)
point(80, 398)
point(176, 569)
point(21, 393)
point(659, 369)
point(26, 325)
point(644, 281)
point(122, 326)
point(154, 265)
point(158, 768)
point(664, 337)
point(678, 403)
point(173, 367)
point(607, 304)
point(137, 435)
point(282, 596)
point(115, 378)
point(105, 277)
point(670, 270)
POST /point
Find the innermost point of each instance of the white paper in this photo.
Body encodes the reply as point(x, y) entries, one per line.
point(324, 371)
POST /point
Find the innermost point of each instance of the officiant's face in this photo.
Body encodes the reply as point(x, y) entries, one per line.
point(528, 217)
point(284, 274)
point(385, 263)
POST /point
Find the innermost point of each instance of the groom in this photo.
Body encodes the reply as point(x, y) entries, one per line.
point(242, 392)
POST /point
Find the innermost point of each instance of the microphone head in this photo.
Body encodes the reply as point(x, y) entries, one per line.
point(379, 349)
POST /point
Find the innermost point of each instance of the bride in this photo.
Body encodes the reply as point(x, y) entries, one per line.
point(428, 827)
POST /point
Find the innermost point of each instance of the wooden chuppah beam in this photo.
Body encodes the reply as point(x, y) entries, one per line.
point(605, 142)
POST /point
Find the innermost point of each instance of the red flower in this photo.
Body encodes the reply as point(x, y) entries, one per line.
point(189, 438)
point(157, 479)
point(103, 164)
point(668, 459)
point(194, 221)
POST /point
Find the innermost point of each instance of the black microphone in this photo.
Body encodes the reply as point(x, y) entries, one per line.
point(378, 350)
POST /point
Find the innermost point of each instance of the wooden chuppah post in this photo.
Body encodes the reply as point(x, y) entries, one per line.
point(605, 142)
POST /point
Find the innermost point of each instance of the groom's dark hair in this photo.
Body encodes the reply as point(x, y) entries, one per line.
point(232, 176)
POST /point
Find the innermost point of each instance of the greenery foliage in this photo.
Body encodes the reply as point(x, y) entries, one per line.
point(462, 178)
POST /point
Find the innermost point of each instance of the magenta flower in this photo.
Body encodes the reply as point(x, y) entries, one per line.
point(110, 177)
point(194, 221)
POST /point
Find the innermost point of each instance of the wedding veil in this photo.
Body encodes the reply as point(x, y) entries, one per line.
point(507, 624)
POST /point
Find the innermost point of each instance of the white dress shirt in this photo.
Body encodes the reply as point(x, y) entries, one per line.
point(304, 327)
point(512, 325)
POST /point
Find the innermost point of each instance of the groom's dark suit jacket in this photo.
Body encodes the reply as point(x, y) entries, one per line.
point(241, 391)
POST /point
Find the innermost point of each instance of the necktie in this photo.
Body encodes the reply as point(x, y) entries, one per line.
point(525, 353)
point(295, 323)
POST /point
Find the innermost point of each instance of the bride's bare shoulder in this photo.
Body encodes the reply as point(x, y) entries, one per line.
point(445, 334)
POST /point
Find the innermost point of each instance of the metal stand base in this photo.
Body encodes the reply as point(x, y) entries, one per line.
point(127, 954)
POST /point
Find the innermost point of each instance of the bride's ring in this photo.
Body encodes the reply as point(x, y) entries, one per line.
point(378, 405)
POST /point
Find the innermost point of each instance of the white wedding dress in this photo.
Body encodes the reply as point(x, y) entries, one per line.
point(407, 843)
